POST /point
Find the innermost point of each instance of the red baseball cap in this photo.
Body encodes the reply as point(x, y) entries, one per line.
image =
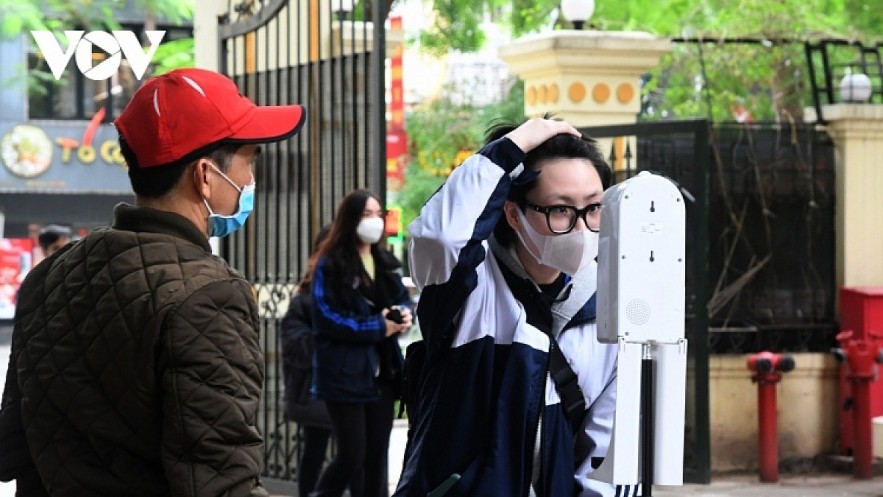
point(186, 113)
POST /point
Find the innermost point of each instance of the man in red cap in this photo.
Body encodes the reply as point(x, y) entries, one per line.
point(136, 367)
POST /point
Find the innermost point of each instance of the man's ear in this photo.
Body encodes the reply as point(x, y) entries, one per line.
point(201, 177)
point(510, 210)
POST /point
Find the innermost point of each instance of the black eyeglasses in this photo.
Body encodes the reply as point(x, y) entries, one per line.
point(562, 218)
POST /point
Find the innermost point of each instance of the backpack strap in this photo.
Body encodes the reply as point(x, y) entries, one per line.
point(572, 399)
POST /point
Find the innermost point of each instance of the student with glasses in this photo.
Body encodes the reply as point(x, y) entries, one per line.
point(515, 395)
point(562, 218)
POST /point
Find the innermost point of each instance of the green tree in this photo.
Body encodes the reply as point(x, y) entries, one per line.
point(456, 21)
point(441, 133)
point(436, 132)
point(697, 79)
point(18, 17)
point(22, 16)
point(173, 55)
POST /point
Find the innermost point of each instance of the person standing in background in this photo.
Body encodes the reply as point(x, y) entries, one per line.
point(360, 306)
point(310, 414)
point(52, 237)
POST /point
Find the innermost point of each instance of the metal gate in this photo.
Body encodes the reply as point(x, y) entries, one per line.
point(312, 53)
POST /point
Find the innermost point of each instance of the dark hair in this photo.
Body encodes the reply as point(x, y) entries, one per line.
point(563, 146)
point(154, 182)
point(304, 285)
point(341, 246)
point(50, 234)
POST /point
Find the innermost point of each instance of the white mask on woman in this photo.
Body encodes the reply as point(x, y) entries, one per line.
point(568, 252)
point(370, 230)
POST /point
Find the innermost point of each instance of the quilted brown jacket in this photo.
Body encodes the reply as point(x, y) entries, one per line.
point(139, 365)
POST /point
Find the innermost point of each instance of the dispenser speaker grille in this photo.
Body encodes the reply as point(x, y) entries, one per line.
point(638, 312)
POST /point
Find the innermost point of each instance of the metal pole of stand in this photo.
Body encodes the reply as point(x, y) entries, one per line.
point(647, 415)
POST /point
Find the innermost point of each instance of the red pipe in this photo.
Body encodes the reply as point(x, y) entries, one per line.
point(768, 430)
point(768, 369)
point(861, 358)
point(862, 449)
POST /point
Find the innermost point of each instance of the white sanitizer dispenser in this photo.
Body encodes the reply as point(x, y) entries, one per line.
point(641, 293)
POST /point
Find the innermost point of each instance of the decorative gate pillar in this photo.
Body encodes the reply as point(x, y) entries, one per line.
point(857, 131)
point(588, 78)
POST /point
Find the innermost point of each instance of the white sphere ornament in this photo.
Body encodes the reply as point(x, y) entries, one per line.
point(343, 8)
point(855, 88)
point(577, 11)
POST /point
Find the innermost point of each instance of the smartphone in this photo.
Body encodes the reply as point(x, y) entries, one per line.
point(395, 316)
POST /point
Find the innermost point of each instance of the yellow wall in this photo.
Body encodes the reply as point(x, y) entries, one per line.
point(587, 78)
point(807, 411)
point(857, 131)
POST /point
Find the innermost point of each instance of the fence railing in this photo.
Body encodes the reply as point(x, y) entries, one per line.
point(830, 61)
point(282, 52)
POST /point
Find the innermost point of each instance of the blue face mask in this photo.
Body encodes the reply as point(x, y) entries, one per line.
point(220, 225)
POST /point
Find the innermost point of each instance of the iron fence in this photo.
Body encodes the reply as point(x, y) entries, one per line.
point(829, 61)
point(333, 63)
point(772, 259)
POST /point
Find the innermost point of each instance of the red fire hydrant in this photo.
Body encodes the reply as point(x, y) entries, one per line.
point(768, 369)
point(861, 358)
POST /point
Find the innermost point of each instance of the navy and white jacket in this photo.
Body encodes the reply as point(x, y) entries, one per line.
point(489, 420)
point(352, 353)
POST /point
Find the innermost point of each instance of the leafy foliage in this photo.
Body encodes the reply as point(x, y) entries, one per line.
point(18, 17)
point(21, 16)
point(854, 19)
point(421, 184)
point(173, 55)
point(457, 26)
point(441, 134)
point(716, 79)
point(175, 11)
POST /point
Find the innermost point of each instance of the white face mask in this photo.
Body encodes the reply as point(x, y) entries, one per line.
point(569, 252)
point(370, 230)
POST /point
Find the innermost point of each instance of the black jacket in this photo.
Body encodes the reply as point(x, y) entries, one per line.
point(352, 353)
point(139, 365)
point(297, 364)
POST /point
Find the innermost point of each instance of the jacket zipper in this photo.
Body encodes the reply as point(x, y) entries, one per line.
point(538, 431)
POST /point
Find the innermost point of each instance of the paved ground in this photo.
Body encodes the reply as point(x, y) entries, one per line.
point(788, 486)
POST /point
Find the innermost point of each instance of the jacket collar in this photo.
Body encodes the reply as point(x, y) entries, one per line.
point(144, 219)
point(576, 302)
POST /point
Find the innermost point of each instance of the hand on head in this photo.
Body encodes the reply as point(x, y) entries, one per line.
point(534, 132)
